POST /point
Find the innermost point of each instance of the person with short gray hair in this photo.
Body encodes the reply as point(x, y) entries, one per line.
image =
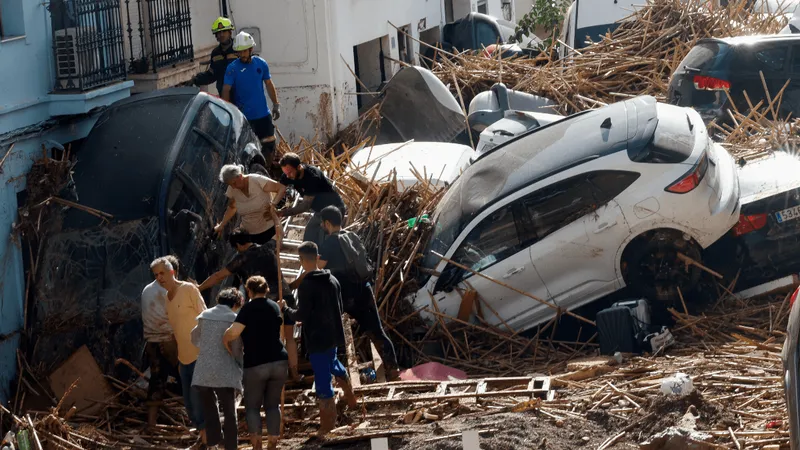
point(160, 347)
point(251, 196)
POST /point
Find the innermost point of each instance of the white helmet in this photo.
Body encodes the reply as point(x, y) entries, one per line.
point(243, 41)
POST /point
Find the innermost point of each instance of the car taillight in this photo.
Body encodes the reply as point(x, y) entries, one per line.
point(750, 223)
point(704, 83)
point(692, 179)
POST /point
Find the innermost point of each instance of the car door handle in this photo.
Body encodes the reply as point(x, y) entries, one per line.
point(604, 226)
point(513, 272)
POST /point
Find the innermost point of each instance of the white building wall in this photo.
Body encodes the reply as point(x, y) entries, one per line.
point(308, 45)
point(522, 7)
point(359, 21)
point(204, 12)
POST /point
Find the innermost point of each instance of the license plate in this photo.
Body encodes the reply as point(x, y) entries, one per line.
point(788, 214)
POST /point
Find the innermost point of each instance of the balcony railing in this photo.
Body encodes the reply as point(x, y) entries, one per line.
point(159, 33)
point(87, 43)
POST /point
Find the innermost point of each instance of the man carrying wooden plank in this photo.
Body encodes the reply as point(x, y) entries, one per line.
point(320, 311)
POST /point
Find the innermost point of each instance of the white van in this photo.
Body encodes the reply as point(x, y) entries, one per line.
point(593, 18)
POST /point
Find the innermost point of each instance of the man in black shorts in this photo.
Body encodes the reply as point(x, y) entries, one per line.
point(244, 83)
point(253, 259)
point(317, 191)
point(358, 300)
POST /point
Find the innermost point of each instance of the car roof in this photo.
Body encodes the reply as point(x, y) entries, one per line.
point(439, 162)
point(748, 40)
point(121, 162)
point(548, 150)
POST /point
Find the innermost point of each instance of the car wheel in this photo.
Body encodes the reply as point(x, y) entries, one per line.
point(651, 266)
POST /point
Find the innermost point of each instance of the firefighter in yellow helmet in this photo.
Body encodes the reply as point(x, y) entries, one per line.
point(221, 56)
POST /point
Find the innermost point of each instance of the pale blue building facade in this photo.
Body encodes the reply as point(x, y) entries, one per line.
point(50, 102)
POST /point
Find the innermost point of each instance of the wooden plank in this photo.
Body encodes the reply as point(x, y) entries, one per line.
point(467, 304)
point(377, 363)
point(352, 361)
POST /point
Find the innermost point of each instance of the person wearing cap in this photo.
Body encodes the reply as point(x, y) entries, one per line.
point(222, 55)
point(243, 87)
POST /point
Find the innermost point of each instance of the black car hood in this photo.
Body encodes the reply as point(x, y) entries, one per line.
point(121, 163)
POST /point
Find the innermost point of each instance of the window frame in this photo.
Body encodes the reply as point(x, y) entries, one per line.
point(452, 275)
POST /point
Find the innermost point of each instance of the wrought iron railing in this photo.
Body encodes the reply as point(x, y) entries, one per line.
point(87, 43)
point(159, 33)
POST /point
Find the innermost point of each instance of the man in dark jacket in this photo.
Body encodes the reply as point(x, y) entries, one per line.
point(317, 191)
point(357, 296)
point(320, 310)
point(221, 56)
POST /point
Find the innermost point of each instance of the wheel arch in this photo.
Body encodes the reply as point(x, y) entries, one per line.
point(647, 231)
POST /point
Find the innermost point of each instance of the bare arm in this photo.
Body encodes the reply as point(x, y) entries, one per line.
point(229, 213)
point(273, 94)
point(226, 92)
point(231, 334)
point(215, 279)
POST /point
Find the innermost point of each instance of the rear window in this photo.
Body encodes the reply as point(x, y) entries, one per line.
point(705, 56)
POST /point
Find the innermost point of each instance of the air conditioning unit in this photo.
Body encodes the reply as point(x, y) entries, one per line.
point(73, 61)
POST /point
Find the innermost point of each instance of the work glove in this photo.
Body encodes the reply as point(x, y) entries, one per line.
point(276, 111)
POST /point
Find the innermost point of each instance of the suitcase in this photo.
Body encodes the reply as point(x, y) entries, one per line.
point(617, 331)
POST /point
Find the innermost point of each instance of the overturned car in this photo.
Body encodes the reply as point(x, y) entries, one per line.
point(574, 210)
point(151, 162)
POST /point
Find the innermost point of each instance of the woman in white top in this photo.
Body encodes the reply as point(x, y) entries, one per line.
point(251, 196)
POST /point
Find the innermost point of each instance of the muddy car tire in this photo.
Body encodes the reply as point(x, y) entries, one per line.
point(652, 269)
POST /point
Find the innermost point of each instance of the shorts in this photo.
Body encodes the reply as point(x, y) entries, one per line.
point(263, 127)
point(263, 237)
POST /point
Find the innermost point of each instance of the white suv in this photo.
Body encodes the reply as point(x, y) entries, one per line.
point(579, 208)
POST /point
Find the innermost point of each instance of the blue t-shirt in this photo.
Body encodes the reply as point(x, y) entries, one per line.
point(247, 81)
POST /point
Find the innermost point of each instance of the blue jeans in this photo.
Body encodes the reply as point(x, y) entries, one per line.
point(191, 396)
point(325, 366)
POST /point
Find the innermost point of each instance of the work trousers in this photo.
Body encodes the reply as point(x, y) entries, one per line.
point(212, 399)
point(262, 386)
point(191, 397)
point(364, 310)
point(326, 366)
point(163, 360)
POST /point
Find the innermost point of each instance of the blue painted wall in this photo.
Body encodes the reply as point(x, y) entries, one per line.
point(26, 99)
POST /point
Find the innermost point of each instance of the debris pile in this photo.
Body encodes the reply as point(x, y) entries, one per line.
point(635, 59)
point(730, 349)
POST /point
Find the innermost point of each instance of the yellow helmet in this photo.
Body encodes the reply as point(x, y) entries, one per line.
point(221, 24)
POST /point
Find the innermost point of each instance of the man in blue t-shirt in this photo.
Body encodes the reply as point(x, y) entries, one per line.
point(245, 77)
